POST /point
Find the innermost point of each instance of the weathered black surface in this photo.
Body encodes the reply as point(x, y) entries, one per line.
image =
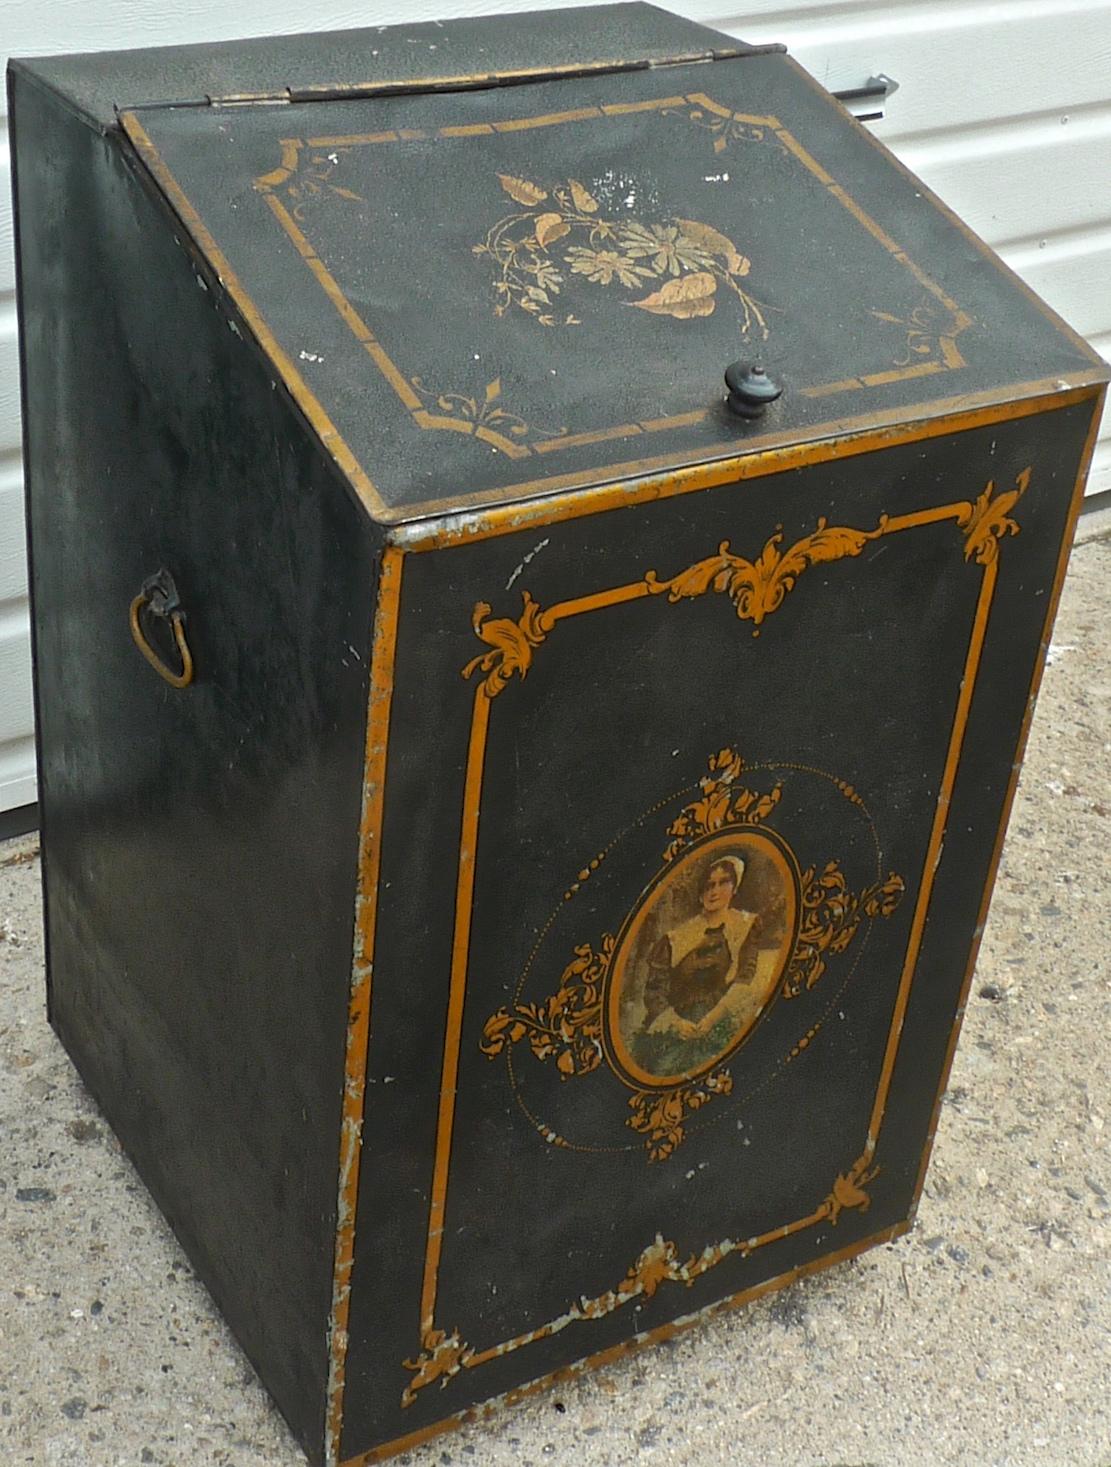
point(199, 845)
point(627, 34)
point(858, 674)
point(395, 209)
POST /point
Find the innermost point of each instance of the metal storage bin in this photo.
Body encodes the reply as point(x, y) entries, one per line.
point(525, 892)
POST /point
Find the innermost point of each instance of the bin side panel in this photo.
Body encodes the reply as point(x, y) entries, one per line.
point(200, 843)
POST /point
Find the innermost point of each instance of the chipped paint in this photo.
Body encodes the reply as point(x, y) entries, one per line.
point(794, 449)
point(533, 553)
point(444, 1354)
point(1097, 400)
point(637, 1341)
point(358, 1031)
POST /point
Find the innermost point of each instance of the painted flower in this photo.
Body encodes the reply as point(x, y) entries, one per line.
point(604, 266)
point(544, 272)
point(669, 249)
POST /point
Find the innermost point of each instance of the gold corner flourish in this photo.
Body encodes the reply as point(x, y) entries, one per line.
point(483, 414)
point(930, 333)
point(303, 185)
point(989, 519)
point(723, 124)
point(442, 1355)
point(511, 643)
point(848, 1190)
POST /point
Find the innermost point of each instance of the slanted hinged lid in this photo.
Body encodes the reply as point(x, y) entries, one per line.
point(484, 296)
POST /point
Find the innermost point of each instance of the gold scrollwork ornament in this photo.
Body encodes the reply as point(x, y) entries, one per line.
point(445, 1354)
point(510, 642)
point(989, 519)
point(567, 1027)
point(758, 587)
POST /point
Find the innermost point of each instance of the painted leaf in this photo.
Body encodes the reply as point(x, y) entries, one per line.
point(717, 243)
point(583, 199)
point(549, 228)
point(691, 295)
point(493, 389)
point(521, 191)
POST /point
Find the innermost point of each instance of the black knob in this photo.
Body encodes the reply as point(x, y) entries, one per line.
point(750, 389)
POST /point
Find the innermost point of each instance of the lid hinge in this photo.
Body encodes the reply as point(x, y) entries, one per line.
point(253, 99)
point(409, 86)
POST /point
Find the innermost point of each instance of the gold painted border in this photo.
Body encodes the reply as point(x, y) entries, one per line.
point(1012, 783)
point(444, 1352)
point(955, 415)
point(950, 357)
point(298, 388)
point(384, 651)
point(411, 524)
point(667, 1331)
point(706, 475)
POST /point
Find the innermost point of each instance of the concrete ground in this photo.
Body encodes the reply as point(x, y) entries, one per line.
point(984, 1337)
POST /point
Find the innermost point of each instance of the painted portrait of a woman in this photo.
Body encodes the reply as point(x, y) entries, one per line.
point(700, 958)
point(700, 977)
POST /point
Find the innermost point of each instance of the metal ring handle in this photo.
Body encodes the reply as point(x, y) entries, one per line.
point(160, 593)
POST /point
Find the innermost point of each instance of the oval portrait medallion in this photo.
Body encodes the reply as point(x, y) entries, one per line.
point(698, 961)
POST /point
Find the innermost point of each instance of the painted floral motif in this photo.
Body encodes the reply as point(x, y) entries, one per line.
point(560, 236)
point(482, 413)
point(930, 332)
point(304, 178)
point(724, 127)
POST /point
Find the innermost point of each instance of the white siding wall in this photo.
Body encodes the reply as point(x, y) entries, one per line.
point(1004, 109)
